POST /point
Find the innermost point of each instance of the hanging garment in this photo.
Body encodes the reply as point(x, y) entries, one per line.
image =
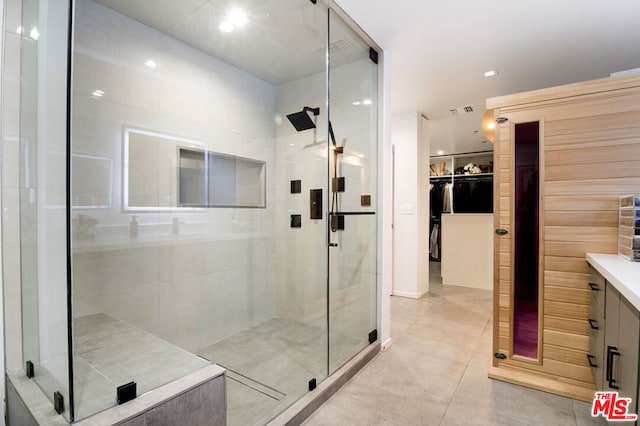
point(435, 200)
point(446, 198)
point(434, 250)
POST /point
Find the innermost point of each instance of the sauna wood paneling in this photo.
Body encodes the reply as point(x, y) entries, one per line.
point(567, 202)
point(565, 279)
point(590, 156)
point(567, 325)
point(566, 309)
point(567, 295)
point(609, 118)
point(599, 138)
point(567, 340)
point(615, 169)
point(608, 189)
point(533, 98)
point(578, 248)
point(571, 356)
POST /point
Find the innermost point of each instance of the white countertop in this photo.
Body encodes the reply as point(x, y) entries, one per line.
point(623, 274)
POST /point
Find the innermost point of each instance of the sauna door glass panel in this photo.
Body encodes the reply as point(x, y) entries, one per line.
point(526, 241)
point(353, 197)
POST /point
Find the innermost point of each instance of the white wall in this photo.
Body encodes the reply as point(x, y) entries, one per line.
point(411, 192)
point(2, 355)
point(467, 250)
point(385, 188)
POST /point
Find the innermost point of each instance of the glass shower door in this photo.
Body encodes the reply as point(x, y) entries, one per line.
point(352, 191)
point(42, 202)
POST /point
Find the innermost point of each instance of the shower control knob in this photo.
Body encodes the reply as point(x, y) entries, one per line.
point(501, 231)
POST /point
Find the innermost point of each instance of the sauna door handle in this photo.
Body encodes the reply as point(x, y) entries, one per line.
point(501, 231)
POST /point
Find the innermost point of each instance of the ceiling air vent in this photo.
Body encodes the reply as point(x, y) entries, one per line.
point(461, 110)
point(336, 47)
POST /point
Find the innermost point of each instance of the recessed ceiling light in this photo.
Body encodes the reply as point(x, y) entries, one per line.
point(491, 73)
point(234, 19)
point(366, 102)
point(151, 63)
point(237, 17)
point(440, 152)
point(226, 27)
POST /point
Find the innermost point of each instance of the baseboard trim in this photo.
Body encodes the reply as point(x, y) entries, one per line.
point(386, 344)
point(410, 295)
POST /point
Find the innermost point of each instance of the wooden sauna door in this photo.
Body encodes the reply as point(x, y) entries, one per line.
point(518, 251)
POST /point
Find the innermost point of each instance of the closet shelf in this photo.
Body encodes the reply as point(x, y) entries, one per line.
point(460, 176)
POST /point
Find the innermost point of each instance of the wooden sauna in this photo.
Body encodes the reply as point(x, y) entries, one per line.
point(563, 156)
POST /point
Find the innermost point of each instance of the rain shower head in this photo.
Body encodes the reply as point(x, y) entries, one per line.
point(301, 120)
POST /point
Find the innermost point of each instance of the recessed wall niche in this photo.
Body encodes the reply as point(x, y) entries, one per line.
point(165, 172)
point(212, 179)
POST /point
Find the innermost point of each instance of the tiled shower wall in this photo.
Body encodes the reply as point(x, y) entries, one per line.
point(301, 266)
point(230, 268)
point(215, 277)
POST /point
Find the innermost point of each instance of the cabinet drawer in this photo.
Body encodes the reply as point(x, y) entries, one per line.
point(597, 285)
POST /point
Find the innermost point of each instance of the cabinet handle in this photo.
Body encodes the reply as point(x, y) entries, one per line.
point(591, 364)
point(593, 324)
point(594, 286)
point(501, 231)
point(611, 352)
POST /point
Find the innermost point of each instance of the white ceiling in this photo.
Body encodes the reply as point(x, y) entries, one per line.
point(285, 40)
point(440, 49)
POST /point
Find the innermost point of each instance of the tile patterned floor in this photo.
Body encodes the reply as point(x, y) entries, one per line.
point(435, 373)
point(269, 366)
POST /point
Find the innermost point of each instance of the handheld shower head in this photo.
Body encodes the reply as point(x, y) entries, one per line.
point(301, 120)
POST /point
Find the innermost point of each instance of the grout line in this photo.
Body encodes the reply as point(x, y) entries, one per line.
point(466, 368)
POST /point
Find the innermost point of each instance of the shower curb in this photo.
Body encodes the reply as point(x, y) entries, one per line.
point(308, 404)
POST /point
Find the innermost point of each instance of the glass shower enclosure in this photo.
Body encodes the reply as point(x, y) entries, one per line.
point(198, 184)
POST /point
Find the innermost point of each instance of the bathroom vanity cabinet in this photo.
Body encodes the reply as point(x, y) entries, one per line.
point(563, 157)
point(614, 340)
